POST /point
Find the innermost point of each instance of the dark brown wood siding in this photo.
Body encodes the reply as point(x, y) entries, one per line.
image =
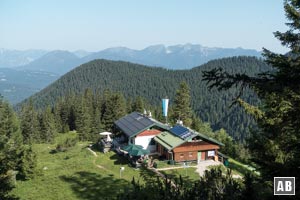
point(163, 151)
point(203, 155)
point(189, 151)
point(195, 146)
point(185, 156)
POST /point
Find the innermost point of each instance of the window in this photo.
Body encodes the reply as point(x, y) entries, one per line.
point(181, 155)
point(210, 153)
point(190, 154)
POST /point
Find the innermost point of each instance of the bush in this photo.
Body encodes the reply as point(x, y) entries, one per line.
point(67, 143)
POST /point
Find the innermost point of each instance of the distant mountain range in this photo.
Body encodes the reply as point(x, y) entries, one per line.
point(171, 57)
point(14, 58)
point(31, 70)
point(58, 62)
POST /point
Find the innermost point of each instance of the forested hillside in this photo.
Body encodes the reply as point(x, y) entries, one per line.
point(154, 83)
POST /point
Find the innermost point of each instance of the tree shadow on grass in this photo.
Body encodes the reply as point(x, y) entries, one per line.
point(179, 179)
point(148, 175)
point(92, 186)
point(238, 168)
point(119, 159)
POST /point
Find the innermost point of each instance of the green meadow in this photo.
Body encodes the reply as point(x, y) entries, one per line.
point(76, 174)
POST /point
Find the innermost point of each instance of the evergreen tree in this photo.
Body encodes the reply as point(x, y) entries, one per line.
point(89, 111)
point(29, 124)
point(201, 127)
point(196, 123)
point(83, 118)
point(120, 106)
point(129, 105)
point(79, 119)
point(97, 126)
point(229, 147)
point(115, 108)
point(10, 142)
point(11, 151)
point(64, 116)
point(212, 186)
point(27, 163)
point(139, 105)
point(72, 116)
point(182, 104)
point(276, 144)
point(96, 121)
point(47, 126)
point(97, 105)
point(157, 114)
point(57, 116)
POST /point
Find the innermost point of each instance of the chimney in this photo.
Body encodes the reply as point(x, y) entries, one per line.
point(149, 114)
point(179, 122)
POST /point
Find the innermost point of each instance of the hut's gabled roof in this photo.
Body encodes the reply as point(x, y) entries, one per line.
point(179, 135)
point(168, 140)
point(134, 123)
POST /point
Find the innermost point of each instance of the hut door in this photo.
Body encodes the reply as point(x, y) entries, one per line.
point(199, 156)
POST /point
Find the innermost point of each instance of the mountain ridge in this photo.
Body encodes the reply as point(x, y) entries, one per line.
point(10, 58)
point(182, 56)
point(154, 83)
point(58, 61)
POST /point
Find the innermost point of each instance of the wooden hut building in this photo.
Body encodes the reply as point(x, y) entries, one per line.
point(183, 144)
point(140, 129)
point(178, 143)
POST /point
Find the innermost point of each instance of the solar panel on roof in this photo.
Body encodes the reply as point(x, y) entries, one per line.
point(133, 123)
point(181, 132)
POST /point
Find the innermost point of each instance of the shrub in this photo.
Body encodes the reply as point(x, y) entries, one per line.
point(66, 144)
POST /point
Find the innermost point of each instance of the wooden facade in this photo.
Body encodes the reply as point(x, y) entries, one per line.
point(195, 146)
point(176, 143)
point(194, 150)
point(189, 151)
point(163, 151)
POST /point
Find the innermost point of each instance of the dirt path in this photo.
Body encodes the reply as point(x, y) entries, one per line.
point(94, 160)
point(168, 168)
point(203, 165)
point(93, 152)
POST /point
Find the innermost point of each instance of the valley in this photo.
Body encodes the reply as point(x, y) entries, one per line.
point(17, 85)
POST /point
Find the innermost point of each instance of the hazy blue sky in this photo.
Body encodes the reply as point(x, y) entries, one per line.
point(97, 24)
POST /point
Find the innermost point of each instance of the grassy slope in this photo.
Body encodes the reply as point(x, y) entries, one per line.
point(73, 175)
point(237, 168)
point(240, 167)
point(78, 174)
point(188, 174)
